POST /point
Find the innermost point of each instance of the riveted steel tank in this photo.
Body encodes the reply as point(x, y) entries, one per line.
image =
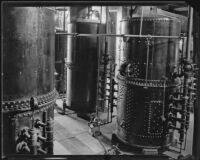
point(28, 70)
point(82, 66)
point(143, 96)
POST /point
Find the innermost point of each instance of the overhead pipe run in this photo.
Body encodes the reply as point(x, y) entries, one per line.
point(119, 35)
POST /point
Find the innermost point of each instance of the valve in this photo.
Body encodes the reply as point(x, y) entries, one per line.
point(122, 124)
point(33, 103)
point(33, 141)
point(105, 59)
point(39, 124)
point(30, 140)
point(114, 150)
point(189, 68)
point(22, 147)
point(94, 125)
point(173, 109)
point(22, 140)
point(173, 119)
point(94, 122)
point(175, 100)
point(25, 134)
point(41, 151)
point(181, 137)
point(41, 138)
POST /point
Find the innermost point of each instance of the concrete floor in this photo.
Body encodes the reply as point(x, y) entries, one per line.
point(72, 136)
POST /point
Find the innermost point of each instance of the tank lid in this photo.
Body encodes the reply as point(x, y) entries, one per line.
point(149, 14)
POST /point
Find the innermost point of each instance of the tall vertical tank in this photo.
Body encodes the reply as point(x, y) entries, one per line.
point(82, 66)
point(28, 71)
point(143, 95)
point(60, 56)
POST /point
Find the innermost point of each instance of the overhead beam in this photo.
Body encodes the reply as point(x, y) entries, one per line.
point(96, 3)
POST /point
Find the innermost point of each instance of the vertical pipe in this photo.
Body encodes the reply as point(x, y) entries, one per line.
point(14, 134)
point(98, 71)
point(141, 22)
point(105, 69)
point(33, 139)
point(196, 133)
point(186, 75)
point(88, 9)
point(49, 132)
point(190, 21)
point(147, 62)
point(64, 20)
point(101, 16)
point(44, 121)
point(106, 20)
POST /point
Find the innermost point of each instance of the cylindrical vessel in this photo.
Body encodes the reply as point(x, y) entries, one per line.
point(143, 97)
point(28, 67)
point(28, 52)
point(60, 55)
point(163, 52)
point(82, 66)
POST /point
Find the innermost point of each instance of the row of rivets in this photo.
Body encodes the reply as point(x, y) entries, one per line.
point(29, 113)
point(24, 104)
point(143, 82)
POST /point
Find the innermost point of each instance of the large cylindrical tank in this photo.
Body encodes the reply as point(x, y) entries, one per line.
point(143, 97)
point(82, 66)
point(60, 56)
point(28, 70)
point(28, 52)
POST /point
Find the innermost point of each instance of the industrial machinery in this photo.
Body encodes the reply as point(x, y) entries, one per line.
point(82, 65)
point(153, 91)
point(28, 80)
point(156, 84)
point(147, 80)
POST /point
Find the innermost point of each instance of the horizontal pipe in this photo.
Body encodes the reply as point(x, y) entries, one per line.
point(117, 35)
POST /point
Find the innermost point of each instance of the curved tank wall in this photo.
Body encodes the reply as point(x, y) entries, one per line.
point(60, 56)
point(28, 71)
point(28, 52)
point(82, 66)
point(143, 96)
